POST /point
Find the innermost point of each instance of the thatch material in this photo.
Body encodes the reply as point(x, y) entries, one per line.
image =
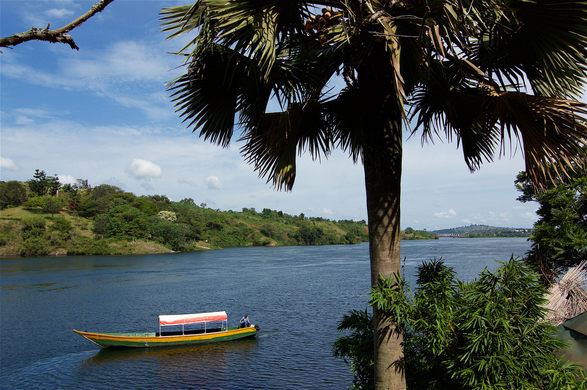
point(568, 298)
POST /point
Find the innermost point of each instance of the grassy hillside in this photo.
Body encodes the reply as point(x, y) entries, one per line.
point(105, 220)
point(122, 223)
point(28, 233)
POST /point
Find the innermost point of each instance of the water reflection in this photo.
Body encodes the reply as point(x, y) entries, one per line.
point(188, 353)
point(209, 365)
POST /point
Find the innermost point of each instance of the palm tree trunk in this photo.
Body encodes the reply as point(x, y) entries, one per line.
point(382, 161)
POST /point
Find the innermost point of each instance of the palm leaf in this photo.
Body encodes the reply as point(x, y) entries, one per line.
point(206, 95)
point(272, 146)
point(553, 132)
point(257, 26)
point(543, 40)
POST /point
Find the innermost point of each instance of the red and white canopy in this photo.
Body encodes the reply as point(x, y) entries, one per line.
point(179, 319)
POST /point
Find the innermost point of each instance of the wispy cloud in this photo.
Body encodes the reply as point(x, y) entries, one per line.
point(58, 13)
point(132, 73)
point(446, 214)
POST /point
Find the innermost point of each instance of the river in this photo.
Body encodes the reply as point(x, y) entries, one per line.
point(296, 295)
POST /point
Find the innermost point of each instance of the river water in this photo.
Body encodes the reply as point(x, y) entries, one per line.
point(296, 295)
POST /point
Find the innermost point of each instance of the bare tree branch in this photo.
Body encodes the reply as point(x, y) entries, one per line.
point(58, 35)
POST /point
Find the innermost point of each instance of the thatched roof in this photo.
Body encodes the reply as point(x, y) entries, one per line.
point(568, 298)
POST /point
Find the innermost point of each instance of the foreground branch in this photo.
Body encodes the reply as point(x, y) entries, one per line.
point(59, 35)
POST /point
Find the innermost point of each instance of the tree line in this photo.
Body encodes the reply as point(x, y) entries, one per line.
point(88, 220)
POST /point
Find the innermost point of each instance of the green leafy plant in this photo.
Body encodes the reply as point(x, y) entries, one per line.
point(560, 234)
point(357, 348)
point(12, 193)
point(484, 334)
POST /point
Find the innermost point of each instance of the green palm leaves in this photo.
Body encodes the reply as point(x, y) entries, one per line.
point(484, 73)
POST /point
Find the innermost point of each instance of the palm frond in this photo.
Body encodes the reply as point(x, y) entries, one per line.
point(206, 95)
point(542, 40)
point(182, 19)
point(344, 113)
point(257, 26)
point(553, 132)
point(448, 101)
point(272, 145)
point(185, 19)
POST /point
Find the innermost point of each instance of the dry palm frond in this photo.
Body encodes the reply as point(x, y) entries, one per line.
point(568, 298)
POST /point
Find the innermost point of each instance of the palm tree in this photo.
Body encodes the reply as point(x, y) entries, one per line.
point(485, 73)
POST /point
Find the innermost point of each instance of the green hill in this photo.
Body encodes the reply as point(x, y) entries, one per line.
point(50, 219)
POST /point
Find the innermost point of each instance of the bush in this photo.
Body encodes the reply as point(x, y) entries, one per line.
point(62, 226)
point(88, 246)
point(52, 205)
point(32, 227)
point(12, 193)
point(34, 246)
point(169, 233)
point(486, 334)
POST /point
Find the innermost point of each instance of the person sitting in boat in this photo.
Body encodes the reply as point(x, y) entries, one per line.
point(245, 323)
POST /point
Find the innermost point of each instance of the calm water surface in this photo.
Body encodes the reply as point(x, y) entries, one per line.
point(295, 294)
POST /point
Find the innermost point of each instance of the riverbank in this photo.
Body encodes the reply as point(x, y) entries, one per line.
point(28, 232)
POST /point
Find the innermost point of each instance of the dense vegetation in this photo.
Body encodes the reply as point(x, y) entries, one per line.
point(411, 234)
point(78, 219)
point(478, 231)
point(43, 217)
point(485, 334)
point(490, 333)
point(560, 234)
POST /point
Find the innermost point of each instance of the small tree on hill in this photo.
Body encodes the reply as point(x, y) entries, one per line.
point(52, 205)
point(12, 193)
point(41, 184)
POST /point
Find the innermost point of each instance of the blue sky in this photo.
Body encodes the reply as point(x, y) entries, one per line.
point(103, 114)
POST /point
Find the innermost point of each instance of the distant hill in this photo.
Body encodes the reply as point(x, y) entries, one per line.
point(476, 231)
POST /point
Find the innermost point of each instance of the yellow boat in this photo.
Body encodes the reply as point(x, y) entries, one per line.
point(201, 328)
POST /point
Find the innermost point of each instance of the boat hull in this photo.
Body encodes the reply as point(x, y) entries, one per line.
point(150, 340)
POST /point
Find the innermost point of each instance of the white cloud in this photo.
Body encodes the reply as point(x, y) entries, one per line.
point(7, 163)
point(445, 214)
point(213, 182)
point(66, 179)
point(58, 13)
point(144, 169)
point(328, 211)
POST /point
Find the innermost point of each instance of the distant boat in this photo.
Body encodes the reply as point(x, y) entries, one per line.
point(196, 328)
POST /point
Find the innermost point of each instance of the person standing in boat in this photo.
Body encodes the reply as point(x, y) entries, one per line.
point(245, 323)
